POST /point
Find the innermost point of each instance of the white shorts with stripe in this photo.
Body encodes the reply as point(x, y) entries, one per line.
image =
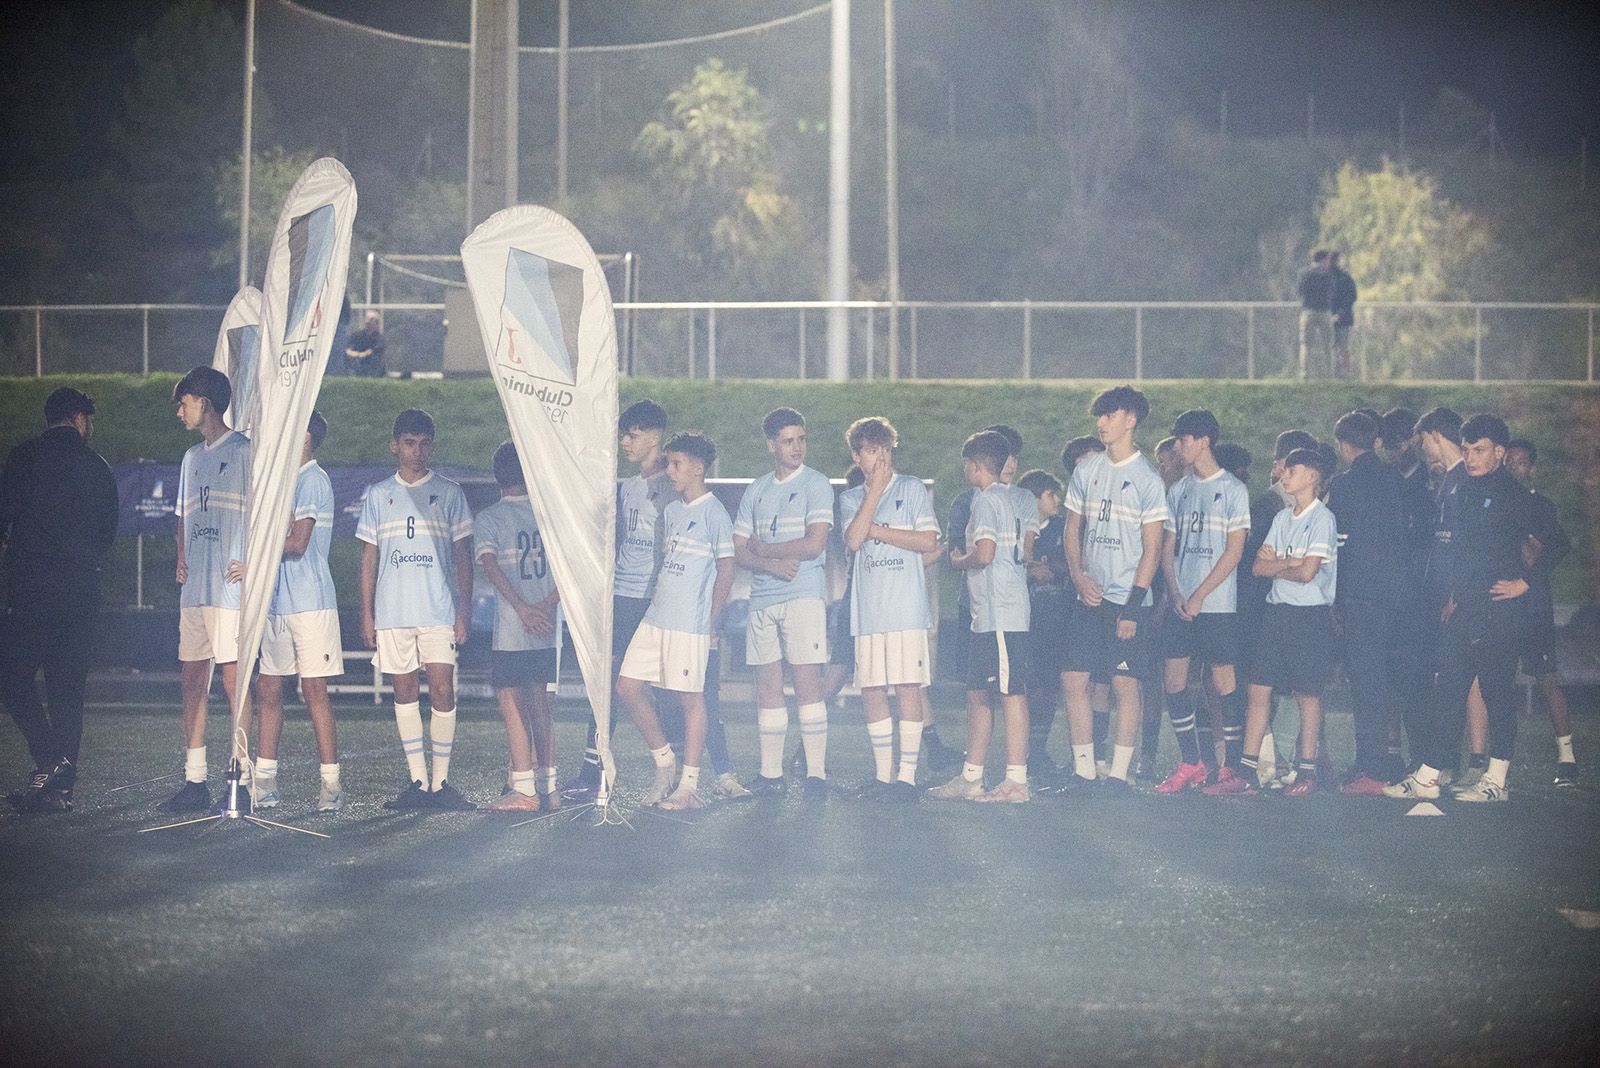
point(893, 658)
point(795, 632)
point(402, 650)
point(667, 659)
point(206, 632)
point(307, 644)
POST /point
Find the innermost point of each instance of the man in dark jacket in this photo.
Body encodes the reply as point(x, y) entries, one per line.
point(1342, 302)
point(1368, 502)
point(58, 518)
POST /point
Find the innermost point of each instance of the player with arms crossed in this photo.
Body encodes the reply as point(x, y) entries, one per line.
point(212, 485)
point(888, 524)
point(781, 535)
point(1116, 510)
point(302, 636)
point(416, 601)
point(670, 648)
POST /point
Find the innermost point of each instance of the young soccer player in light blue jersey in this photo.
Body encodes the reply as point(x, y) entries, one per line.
point(888, 525)
point(1208, 522)
point(780, 535)
point(302, 635)
point(213, 483)
point(1295, 645)
point(995, 566)
point(1116, 507)
point(416, 598)
point(670, 648)
point(522, 660)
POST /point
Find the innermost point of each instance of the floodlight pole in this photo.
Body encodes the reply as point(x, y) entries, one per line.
point(839, 196)
point(891, 199)
point(244, 169)
point(562, 99)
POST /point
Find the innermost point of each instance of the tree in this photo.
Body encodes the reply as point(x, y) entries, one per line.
point(272, 174)
point(1401, 240)
point(710, 162)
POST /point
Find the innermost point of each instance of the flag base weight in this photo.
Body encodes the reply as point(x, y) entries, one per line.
point(231, 811)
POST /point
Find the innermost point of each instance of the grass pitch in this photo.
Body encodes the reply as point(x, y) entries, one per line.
point(1139, 931)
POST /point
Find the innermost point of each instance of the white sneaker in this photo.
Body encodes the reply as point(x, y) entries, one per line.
point(679, 800)
point(1468, 780)
point(958, 789)
point(330, 799)
point(1412, 789)
point(665, 778)
point(729, 788)
point(265, 792)
point(1484, 789)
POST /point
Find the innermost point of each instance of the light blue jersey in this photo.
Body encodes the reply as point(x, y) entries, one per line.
point(1313, 532)
point(212, 484)
point(888, 588)
point(1028, 508)
point(1115, 501)
point(694, 538)
point(780, 511)
point(508, 530)
point(305, 584)
point(640, 503)
point(414, 526)
point(999, 592)
point(1203, 512)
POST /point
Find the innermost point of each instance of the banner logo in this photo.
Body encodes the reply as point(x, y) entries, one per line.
point(539, 322)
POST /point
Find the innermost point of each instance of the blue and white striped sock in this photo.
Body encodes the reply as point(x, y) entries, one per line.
point(773, 725)
point(881, 734)
point(814, 737)
point(442, 735)
point(408, 719)
point(910, 751)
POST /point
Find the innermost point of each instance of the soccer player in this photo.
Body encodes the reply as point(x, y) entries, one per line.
point(1439, 441)
point(58, 520)
point(1300, 556)
point(1169, 462)
point(780, 535)
point(1116, 509)
point(1410, 663)
point(213, 483)
point(888, 525)
point(1208, 521)
point(1539, 659)
point(1048, 600)
point(1234, 459)
point(416, 601)
point(1368, 502)
point(995, 566)
point(670, 647)
point(522, 658)
point(302, 634)
point(1483, 625)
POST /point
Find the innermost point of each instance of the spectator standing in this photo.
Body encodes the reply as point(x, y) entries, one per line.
point(1315, 288)
point(363, 350)
point(1342, 302)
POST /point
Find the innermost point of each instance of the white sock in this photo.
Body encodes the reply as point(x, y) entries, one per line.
point(547, 780)
point(1269, 752)
point(881, 733)
point(441, 739)
point(814, 738)
point(1425, 775)
point(773, 725)
point(1083, 760)
point(194, 764)
point(1497, 771)
point(1121, 757)
point(1017, 773)
point(408, 719)
point(330, 774)
point(972, 772)
point(266, 769)
point(1564, 750)
point(910, 751)
point(690, 779)
point(663, 756)
point(522, 782)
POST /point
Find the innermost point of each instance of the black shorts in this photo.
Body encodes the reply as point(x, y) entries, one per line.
point(526, 667)
point(1211, 637)
point(1539, 651)
point(1295, 649)
point(1093, 645)
point(626, 615)
point(841, 644)
point(998, 660)
point(1049, 611)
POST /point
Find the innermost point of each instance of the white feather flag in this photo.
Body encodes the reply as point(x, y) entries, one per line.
point(236, 355)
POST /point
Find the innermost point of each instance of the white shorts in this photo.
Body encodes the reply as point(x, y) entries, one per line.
point(795, 632)
point(402, 650)
point(893, 658)
point(305, 644)
point(667, 659)
point(206, 632)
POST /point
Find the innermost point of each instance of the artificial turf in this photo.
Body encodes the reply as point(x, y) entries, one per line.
point(1143, 930)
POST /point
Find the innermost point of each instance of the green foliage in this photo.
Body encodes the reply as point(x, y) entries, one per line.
point(272, 174)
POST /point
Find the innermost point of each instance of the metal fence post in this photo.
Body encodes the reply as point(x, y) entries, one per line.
point(1250, 343)
point(871, 341)
point(1027, 339)
point(802, 344)
point(1477, 344)
point(1138, 344)
point(1591, 344)
point(691, 345)
point(38, 342)
point(711, 344)
point(146, 310)
point(914, 343)
point(138, 572)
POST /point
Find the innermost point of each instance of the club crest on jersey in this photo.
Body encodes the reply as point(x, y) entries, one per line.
point(1127, 484)
point(223, 466)
point(433, 498)
point(691, 524)
point(792, 496)
point(1215, 497)
point(898, 503)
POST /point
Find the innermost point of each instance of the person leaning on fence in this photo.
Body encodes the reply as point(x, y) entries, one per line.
point(363, 350)
point(58, 518)
point(1314, 286)
point(1342, 303)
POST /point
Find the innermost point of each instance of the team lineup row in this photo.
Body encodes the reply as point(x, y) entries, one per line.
point(1424, 566)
